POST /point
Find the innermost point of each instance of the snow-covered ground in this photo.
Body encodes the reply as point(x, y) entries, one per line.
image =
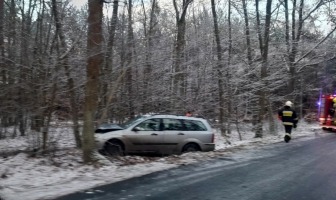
point(34, 177)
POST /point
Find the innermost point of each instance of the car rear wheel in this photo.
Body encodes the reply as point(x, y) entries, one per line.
point(190, 147)
point(114, 148)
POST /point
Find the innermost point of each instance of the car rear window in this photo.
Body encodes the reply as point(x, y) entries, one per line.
point(193, 125)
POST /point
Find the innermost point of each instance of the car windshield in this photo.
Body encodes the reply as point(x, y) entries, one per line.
point(132, 121)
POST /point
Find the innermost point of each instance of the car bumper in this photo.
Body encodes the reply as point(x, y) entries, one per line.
point(208, 147)
point(99, 144)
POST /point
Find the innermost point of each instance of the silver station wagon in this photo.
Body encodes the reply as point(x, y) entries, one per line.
point(162, 134)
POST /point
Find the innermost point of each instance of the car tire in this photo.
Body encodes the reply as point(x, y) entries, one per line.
point(190, 147)
point(114, 148)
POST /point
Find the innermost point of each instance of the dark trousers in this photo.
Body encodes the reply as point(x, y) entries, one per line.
point(288, 128)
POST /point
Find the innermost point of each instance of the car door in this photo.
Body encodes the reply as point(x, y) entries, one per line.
point(173, 134)
point(197, 131)
point(146, 136)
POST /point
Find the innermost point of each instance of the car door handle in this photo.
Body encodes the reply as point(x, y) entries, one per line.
point(180, 134)
point(154, 134)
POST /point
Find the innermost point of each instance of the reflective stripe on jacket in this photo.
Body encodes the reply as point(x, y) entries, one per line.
point(288, 116)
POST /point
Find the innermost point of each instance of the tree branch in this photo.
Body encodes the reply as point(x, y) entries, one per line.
point(316, 7)
point(311, 64)
point(324, 39)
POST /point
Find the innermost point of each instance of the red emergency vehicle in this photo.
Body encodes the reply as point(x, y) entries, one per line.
point(326, 112)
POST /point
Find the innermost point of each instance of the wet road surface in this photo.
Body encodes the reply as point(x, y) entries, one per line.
point(299, 170)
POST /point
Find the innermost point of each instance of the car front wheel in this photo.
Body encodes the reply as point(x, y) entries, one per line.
point(114, 148)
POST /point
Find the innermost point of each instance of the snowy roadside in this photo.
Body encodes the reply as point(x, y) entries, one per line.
point(34, 177)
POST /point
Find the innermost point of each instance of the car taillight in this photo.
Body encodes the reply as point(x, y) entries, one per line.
point(213, 138)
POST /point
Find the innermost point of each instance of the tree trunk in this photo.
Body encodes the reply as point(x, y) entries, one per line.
point(107, 86)
point(129, 60)
point(247, 34)
point(220, 69)
point(228, 73)
point(293, 52)
point(149, 34)
point(287, 26)
point(2, 64)
point(70, 82)
point(263, 43)
point(26, 71)
point(2, 50)
point(94, 62)
point(252, 104)
point(179, 87)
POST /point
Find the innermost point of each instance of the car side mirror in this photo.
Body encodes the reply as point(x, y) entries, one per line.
point(136, 129)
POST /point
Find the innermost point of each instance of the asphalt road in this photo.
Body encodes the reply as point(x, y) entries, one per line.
point(299, 170)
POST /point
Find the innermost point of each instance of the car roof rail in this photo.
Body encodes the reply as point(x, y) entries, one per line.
point(165, 113)
point(174, 114)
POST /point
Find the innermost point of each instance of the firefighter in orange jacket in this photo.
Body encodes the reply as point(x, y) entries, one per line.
point(289, 119)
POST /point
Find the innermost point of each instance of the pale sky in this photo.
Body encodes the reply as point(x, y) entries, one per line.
point(78, 3)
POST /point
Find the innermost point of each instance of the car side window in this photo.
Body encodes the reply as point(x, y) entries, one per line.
point(149, 125)
point(172, 125)
point(193, 125)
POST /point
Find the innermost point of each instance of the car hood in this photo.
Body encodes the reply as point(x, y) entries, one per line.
point(109, 135)
point(105, 128)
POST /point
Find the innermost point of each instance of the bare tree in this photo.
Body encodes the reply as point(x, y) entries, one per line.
point(149, 31)
point(296, 33)
point(63, 59)
point(247, 34)
point(197, 68)
point(129, 60)
point(219, 68)
point(2, 48)
point(228, 72)
point(108, 86)
point(250, 70)
point(264, 46)
point(179, 71)
point(94, 62)
point(2, 59)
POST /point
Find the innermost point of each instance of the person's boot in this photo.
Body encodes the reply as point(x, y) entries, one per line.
point(287, 137)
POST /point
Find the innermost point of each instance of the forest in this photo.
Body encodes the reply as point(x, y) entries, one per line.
point(229, 61)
